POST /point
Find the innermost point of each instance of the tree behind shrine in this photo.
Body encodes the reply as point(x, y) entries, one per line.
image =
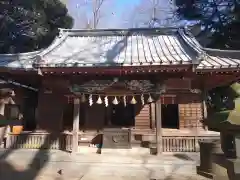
point(219, 20)
point(30, 25)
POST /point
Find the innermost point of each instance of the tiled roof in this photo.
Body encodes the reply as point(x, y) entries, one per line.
point(122, 47)
point(23, 61)
point(127, 47)
point(219, 59)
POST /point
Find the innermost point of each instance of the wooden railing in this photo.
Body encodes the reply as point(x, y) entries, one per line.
point(64, 142)
point(39, 141)
point(184, 143)
point(179, 144)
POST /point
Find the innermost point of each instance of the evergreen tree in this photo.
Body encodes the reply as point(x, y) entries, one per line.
point(30, 25)
point(219, 20)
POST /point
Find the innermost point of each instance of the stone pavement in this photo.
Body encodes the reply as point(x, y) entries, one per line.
point(58, 165)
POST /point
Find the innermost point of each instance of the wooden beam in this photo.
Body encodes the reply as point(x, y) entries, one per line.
point(76, 115)
point(117, 70)
point(211, 82)
point(159, 136)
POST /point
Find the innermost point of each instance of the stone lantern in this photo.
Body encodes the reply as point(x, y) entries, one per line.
point(226, 164)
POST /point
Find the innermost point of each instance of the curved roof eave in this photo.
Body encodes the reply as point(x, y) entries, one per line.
point(188, 40)
point(21, 55)
point(212, 59)
point(194, 45)
point(56, 42)
point(218, 59)
point(221, 52)
point(64, 33)
point(18, 61)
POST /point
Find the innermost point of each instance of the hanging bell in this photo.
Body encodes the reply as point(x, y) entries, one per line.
point(142, 99)
point(83, 98)
point(124, 101)
point(99, 101)
point(90, 100)
point(115, 101)
point(106, 101)
point(133, 101)
point(150, 100)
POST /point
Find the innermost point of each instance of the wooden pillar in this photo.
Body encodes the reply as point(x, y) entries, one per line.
point(76, 115)
point(159, 127)
point(153, 115)
point(204, 108)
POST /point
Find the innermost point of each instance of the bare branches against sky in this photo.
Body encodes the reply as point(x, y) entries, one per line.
point(149, 12)
point(91, 14)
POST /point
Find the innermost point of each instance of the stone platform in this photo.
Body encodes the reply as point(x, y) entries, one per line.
point(58, 165)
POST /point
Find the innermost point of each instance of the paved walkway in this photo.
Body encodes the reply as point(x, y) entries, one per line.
point(58, 165)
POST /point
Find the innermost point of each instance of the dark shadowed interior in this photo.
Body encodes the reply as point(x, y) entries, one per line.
point(170, 117)
point(122, 116)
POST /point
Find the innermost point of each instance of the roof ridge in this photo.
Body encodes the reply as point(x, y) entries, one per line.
point(119, 29)
point(223, 53)
point(120, 32)
point(185, 34)
point(221, 50)
point(191, 41)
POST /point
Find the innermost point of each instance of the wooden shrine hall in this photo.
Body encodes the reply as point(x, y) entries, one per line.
point(109, 89)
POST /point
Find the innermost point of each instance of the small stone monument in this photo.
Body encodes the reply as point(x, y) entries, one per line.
point(226, 119)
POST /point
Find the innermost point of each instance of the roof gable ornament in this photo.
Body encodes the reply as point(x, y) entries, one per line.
point(38, 60)
point(187, 31)
point(61, 33)
point(201, 56)
point(37, 63)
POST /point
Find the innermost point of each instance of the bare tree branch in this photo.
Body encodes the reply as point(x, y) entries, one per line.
point(152, 12)
point(97, 4)
point(95, 7)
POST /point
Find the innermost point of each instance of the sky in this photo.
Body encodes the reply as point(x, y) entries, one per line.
point(117, 13)
point(116, 8)
point(120, 5)
point(122, 8)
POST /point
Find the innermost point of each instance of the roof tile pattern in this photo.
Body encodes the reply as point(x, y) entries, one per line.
point(219, 59)
point(125, 50)
point(134, 47)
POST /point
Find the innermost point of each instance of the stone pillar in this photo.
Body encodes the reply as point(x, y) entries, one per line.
point(2, 128)
point(159, 127)
point(237, 145)
point(3, 131)
point(153, 115)
point(76, 115)
point(226, 166)
point(2, 107)
point(227, 144)
point(205, 113)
